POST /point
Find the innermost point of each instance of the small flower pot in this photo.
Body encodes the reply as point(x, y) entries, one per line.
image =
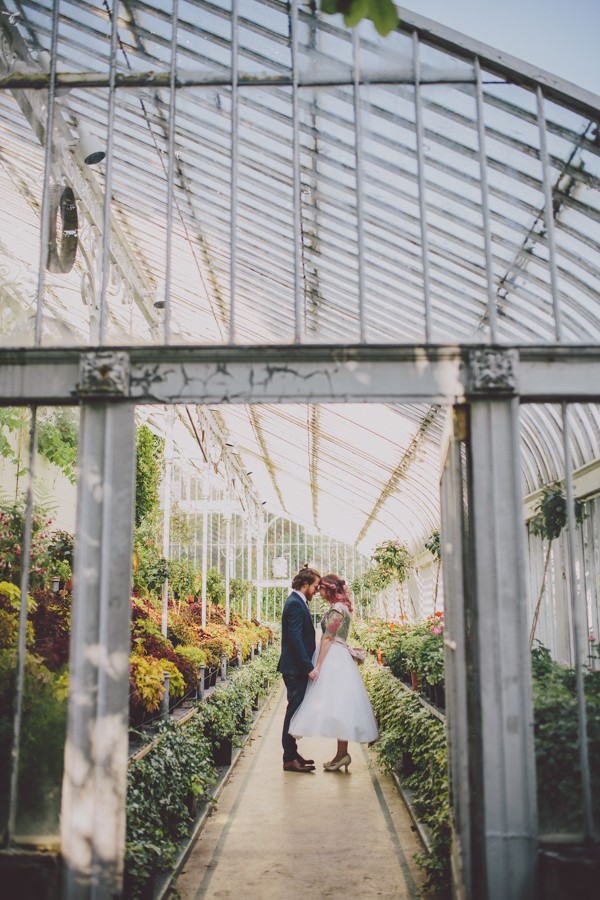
point(222, 752)
point(414, 681)
point(191, 801)
point(440, 696)
point(380, 657)
point(407, 766)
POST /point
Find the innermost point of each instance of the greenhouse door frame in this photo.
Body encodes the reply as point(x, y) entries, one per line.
point(489, 702)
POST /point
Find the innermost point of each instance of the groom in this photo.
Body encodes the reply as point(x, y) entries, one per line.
point(295, 663)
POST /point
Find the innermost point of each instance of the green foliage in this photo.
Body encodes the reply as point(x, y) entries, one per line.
point(194, 654)
point(10, 603)
point(551, 513)
point(238, 590)
point(152, 568)
point(61, 547)
point(382, 13)
point(42, 741)
point(60, 569)
point(148, 470)
point(58, 437)
point(12, 419)
point(147, 676)
point(369, 583)
point(12, 526)
point(215, 586)
point(158, 792)
point(413, 744)
point(557, 741)
point(393, 561)
point(179, 768)
point(433, 545)
point(184, 578)
point(431, 659)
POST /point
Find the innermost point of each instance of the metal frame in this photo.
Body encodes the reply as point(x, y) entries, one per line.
point(298, 374)
point(107, 382)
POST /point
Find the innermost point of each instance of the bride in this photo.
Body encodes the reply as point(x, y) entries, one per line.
point(336, 703)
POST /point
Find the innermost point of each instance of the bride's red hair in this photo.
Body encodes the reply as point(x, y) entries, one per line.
point(335, 590)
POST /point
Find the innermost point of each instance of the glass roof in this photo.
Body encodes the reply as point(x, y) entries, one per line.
point(420, 206)
point(277, 178)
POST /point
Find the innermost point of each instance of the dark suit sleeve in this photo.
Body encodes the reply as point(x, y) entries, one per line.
point(295, 620)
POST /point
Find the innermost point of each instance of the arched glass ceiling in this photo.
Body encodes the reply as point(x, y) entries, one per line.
point(542, 438)
point(360, 472)
point(432, 208)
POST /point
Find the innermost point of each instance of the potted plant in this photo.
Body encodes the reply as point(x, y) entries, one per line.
point(548, 522)
point(60, 575)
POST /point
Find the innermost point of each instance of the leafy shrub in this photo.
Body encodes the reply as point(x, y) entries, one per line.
point(178, 767)
point(146, 684)
point(194, 654)
point(149, 454)
point(410, 732)
point(51, 621)
point(158, 814)
point(557, 742)
point(181, 632)
point(10, 603)
point(44, 717)
point(12, 525)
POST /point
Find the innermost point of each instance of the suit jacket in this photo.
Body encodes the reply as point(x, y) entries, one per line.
point(297, 637)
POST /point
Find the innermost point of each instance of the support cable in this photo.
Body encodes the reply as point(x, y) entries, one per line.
point(45, 211)
point(171, 169)
point(578, 633)
point(22, 634)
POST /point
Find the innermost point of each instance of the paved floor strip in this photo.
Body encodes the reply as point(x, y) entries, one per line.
point(278, 835)
point(404, 864)
point(210, 869)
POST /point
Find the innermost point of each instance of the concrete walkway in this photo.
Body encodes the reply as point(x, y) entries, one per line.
point(276, 835)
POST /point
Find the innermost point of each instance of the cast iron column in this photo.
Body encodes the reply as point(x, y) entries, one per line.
point(95, 778)
point(502, 788)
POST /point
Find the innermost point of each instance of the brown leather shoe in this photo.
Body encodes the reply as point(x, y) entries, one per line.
point(294, 765)
point(305, 762)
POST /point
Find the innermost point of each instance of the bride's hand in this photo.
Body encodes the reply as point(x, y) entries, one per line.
point(314, 674)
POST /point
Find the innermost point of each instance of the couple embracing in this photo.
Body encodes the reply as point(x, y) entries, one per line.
point(326, 695)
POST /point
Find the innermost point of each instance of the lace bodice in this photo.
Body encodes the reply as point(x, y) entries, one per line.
point(336, 622)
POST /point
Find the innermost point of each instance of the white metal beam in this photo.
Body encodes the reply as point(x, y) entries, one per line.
point(502, 777)
point(303, 374)
point(95, 773)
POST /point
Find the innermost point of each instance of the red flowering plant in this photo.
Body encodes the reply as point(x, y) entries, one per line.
point(10, 603)
point(51, 619)
point(147, 640)
point(431, 657)
point(12, 527)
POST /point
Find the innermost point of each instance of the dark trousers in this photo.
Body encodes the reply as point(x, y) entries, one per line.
point(296, 688)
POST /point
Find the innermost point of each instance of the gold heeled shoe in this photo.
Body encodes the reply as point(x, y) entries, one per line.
point(334, 766)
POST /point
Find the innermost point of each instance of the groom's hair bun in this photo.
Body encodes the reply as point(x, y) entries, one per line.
point(304, 576)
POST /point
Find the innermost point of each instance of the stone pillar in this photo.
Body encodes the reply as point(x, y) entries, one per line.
point(95, 777)
point(500, 709)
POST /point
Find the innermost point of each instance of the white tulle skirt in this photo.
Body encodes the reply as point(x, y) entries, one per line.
point(336, 705)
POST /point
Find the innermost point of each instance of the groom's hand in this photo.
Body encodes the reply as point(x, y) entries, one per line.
point(314, 674)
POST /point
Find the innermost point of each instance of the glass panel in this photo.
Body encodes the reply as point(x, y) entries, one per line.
point(202, 183)
point(44, 699)
point(552, 609)
point(21, 188)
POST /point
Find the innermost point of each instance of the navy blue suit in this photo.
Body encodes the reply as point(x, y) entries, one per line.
point(297, 647)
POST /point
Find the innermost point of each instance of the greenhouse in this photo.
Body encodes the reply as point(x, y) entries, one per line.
point(279, 290)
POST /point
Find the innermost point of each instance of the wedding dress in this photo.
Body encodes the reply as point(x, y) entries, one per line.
point(336, 705)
